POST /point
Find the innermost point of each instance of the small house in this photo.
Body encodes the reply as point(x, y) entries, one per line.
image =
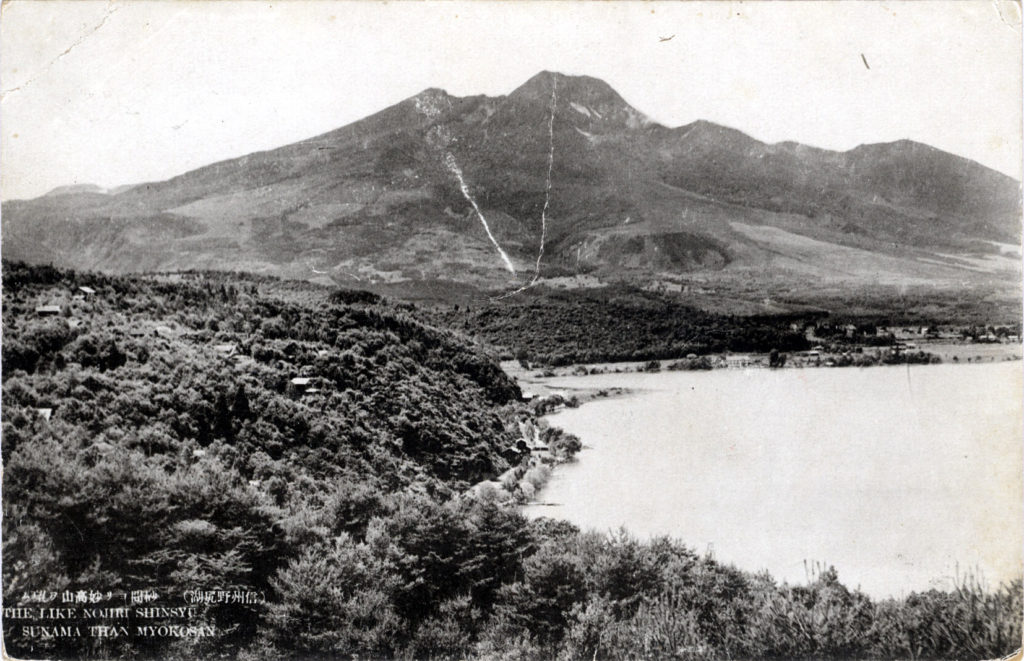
point(738, 360)
point(47, 310)
point(304, 385)
point(87, 291)
point(226, 350)
point(45, 414)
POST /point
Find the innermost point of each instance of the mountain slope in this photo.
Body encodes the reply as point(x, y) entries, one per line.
point(391, 198)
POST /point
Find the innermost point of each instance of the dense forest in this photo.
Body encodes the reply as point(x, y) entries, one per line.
point(226, 432)
point(614, 323)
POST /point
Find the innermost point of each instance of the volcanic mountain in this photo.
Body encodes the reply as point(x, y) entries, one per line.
point(560, 178)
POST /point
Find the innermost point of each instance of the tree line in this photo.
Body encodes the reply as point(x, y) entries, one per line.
point(615, 323)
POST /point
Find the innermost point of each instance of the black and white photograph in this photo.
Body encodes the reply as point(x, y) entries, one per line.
point(511, 331)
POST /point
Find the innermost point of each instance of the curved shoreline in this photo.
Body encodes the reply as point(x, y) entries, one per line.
point(632, 460)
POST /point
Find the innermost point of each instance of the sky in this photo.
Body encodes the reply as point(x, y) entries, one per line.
point(114, 93)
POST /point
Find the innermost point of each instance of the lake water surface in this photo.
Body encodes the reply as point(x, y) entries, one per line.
point(897, 476)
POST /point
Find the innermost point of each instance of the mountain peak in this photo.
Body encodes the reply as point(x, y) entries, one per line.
point(432, 93)
point(73, 189)
point(598, 105)
point(702, 130)
point(903, 144)
point(579, 88)
point(432, 102)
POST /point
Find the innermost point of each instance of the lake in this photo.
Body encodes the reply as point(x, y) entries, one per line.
point(900, 477)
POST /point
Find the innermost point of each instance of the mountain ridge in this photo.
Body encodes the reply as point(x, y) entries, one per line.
point(391, 198)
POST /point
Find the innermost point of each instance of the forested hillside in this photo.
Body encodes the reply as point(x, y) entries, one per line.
point(208, 433)
point(616, 323)
point(178, 451)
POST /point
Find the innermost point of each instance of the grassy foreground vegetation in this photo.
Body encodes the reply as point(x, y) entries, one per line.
point(179, 454)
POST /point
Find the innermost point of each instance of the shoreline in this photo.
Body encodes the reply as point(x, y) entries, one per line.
point(560, 504)
point(539, 386)
point(533, 379)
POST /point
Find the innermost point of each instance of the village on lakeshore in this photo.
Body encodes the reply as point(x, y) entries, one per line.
point(843, 345)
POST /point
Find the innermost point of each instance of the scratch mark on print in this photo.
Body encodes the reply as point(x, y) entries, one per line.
point(102, 22)
point(547, 195)
point(547, 186)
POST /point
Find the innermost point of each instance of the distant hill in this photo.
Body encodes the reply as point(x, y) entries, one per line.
point(74, 189)
point(379, 202)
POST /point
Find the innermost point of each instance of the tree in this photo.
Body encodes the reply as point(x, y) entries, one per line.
point(240, 406)
point(776, 359)
point(334, 602)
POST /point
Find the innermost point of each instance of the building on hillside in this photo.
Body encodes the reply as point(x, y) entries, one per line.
point(227, 350)
point(47, 310)
point(100, 447)
point(304, 385)
point(82, 293)
point(739, 360)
